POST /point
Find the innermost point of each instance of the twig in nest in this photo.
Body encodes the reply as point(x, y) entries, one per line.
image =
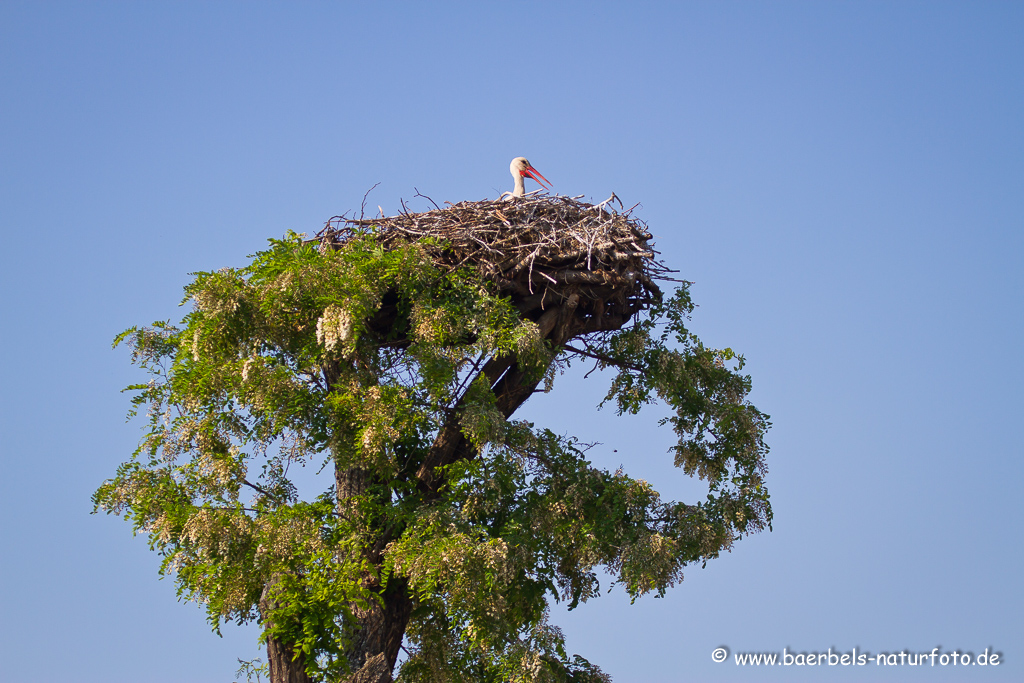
point(420, 194)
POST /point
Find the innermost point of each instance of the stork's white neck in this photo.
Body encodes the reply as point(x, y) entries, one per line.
point(520, 188)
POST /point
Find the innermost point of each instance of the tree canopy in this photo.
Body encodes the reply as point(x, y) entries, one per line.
point(444, 526)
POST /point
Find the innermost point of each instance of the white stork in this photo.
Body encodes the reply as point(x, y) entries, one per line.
point(521, 168)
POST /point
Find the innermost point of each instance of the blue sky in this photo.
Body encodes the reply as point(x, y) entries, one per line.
point(844, 183)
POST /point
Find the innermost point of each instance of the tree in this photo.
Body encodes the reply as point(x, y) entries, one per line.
point(395, 365)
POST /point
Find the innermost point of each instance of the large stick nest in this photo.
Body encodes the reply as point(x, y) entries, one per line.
point(592, 262)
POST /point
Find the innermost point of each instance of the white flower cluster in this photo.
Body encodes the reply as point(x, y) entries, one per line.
point(215, 533)
point(160, 527)
point(247, 368)
point(218, 300)
point(529, 345)
point(433, 325)
point(286, 540)
point(196, 340)
point(222, 471)
point(334, 328)
point(482, 423)
point(378, 417)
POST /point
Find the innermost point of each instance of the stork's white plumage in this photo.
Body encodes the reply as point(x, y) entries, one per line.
point(521, 168)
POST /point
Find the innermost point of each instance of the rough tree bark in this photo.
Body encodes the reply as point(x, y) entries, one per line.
point(285, 667)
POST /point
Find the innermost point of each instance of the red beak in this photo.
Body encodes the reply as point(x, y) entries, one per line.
point(531, 172)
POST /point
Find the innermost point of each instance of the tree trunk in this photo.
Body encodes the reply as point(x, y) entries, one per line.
point(284, 666)
point(380, 628)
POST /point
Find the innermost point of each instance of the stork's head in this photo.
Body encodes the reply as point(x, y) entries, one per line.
point(520, 167)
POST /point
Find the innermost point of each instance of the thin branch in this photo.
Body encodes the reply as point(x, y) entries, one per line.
point(459, 393)
point(604, 359)
point(261, 490)
point(420, 194)
point(362, 208)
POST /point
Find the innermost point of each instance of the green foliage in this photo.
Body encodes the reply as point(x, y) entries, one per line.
point(721, 435)
point(253, 668)
point(353, 361)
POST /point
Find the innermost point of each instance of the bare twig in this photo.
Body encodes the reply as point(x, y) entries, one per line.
point(602, 358)
point(420, 194)
point(261, 490)
point(362, 207)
